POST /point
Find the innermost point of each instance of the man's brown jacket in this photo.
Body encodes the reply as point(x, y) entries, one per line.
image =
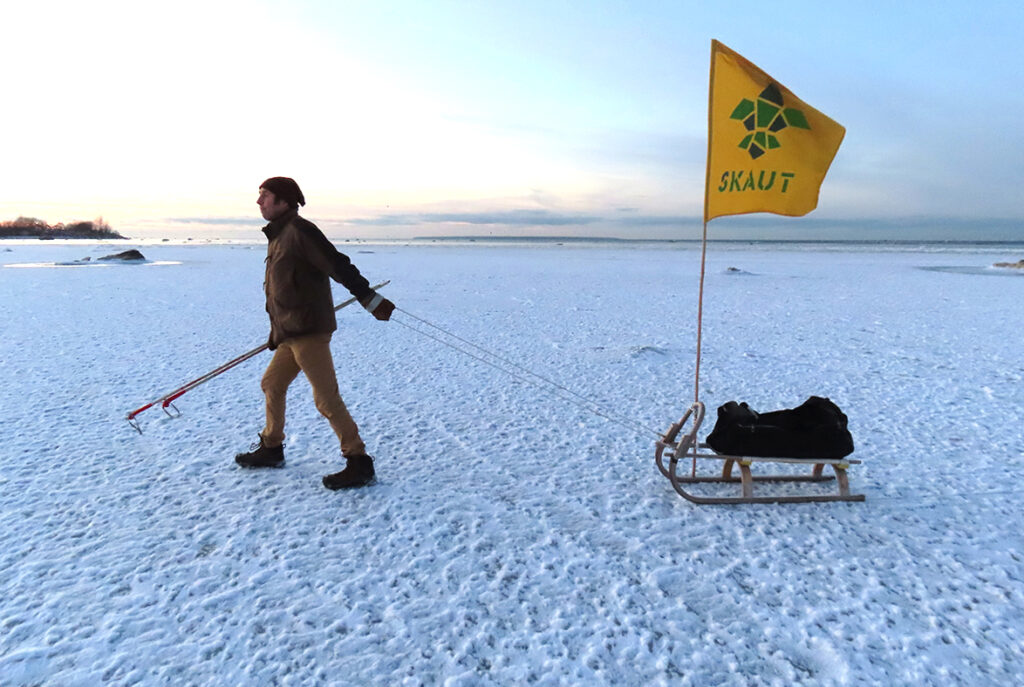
point(301, 261)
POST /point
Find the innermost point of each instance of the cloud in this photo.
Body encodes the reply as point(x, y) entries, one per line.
point(514, 218)
point(216, 220)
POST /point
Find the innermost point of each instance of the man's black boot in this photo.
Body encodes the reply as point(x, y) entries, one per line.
point(358, 472)
point(261, 456)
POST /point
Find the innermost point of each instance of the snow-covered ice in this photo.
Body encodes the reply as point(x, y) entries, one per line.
point(515, 537)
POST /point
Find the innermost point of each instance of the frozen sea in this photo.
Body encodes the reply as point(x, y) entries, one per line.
point(517, 535)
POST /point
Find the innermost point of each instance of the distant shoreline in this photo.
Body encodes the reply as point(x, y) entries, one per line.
point(54, 237)
point(29, 228)
point(605, 239)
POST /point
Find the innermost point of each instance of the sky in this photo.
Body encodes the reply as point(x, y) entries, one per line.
point(551, 118)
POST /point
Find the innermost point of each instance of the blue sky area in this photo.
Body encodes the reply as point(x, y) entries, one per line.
point(484, 118)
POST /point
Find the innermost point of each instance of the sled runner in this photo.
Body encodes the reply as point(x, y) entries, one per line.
point(675, 446)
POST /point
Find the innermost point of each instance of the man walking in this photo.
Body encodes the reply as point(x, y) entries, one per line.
point(301, 261)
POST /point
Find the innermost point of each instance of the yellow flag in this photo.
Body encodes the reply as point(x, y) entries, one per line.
point(768, 151)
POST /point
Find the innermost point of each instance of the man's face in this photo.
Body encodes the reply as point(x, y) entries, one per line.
point(270, 206)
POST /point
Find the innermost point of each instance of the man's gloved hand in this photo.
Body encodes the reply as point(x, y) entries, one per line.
point(379, 307)
point(383, 311)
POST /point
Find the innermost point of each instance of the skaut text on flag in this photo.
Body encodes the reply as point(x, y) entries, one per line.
point(768, 151)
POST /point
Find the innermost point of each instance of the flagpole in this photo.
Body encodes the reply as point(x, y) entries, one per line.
point(703, 248)
point(704, 237)
point(700, 313)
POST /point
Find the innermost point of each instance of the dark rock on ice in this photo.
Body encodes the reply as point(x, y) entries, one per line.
point(126, 256)
point(1019, 265)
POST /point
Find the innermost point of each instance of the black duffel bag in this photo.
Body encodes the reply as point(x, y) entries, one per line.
point(814, 429)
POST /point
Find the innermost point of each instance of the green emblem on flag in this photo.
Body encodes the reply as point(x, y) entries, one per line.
point(764, 119)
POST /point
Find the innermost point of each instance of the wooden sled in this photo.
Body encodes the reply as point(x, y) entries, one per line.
point(687, 446)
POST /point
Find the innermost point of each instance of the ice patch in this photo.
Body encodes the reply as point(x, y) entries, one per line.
point(975, 270)
point(77, 263)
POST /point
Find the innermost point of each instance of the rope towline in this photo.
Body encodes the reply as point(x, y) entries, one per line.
point(548, 385)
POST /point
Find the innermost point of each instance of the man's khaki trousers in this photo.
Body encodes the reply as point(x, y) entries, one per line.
point(312, 355)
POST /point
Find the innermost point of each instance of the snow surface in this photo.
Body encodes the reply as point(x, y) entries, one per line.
point(514, 537)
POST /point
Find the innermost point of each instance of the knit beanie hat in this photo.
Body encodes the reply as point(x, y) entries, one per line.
point(285, 189)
